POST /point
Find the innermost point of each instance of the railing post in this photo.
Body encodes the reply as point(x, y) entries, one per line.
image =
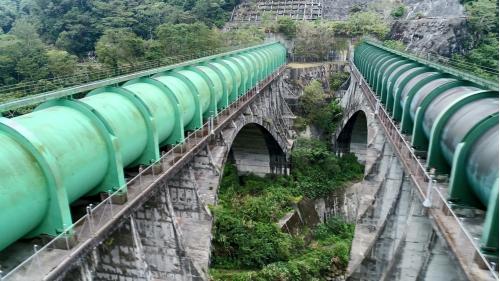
point(90, 219)
point(66, 237)
point(211, 122)
point(428, 198)
point(141, 169)
point(36, 257)
point(110, 198)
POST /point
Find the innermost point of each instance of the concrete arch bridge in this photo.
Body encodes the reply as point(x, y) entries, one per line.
point(116, 186)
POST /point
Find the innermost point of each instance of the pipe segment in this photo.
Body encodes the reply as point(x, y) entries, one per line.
point(389, 76)
point(424, 97)
point(390, 81)
point(245, 73)
point(385, 64)
point(232, 76)
point(67, 148)
point(455, 120)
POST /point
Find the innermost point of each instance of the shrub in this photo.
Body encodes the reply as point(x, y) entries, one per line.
point(395, 45)
point(398, 11)
point(337, 79)
point(317, 111)
point(287, 26)
point(332, 243)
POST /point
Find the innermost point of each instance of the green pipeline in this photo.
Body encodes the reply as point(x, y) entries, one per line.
point(66, 149)
point(453, 120)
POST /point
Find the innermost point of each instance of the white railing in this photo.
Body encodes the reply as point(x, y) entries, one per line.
point(434, 198)
point(59, 251)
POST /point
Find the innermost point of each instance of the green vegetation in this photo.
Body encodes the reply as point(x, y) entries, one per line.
point(398, 11)
point(326, 254)
point(337, 79)
point(42, 39)
point(245, 235)
point(316, 39)
point(77, 25)
point(287, 26)
point(25, 57)
point(316, 109)
point(483, 22)
point(362, 23)
point(395, 45)
point(248, 244)
point(317, 172)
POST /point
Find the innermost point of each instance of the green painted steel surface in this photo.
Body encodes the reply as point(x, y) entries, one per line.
point(67, 149)
point(454, 119)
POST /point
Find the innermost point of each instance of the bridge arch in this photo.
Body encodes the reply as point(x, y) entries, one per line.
point(353, 137)
point(256, 148)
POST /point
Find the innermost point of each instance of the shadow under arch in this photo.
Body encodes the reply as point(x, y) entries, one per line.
point(254, 150)
point(354, 137)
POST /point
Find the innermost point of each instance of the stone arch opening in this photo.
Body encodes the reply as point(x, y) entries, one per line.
point(254, 150)
point(354, 137)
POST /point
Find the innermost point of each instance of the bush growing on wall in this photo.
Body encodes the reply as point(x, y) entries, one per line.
point(398, 11)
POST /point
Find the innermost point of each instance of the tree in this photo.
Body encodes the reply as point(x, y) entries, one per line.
point(243, 36)
point(314, 40)
point(210, 12)
point(27, 51)
point(186, 38)
point(151, 14)
point(60, 63)
point(365, 23)
point(8, 73)
point(287, 26)
point(312, 97)
point(119, 47)
point(267, 22)
point(8, 15)
point(79, 34)
point(317, 110)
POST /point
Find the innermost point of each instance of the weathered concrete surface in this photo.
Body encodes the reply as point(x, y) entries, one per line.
point(394, 237)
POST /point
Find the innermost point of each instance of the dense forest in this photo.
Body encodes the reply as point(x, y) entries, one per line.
point(46, 38)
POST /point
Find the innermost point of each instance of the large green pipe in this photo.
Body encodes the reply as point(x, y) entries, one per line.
point(455, 120)
point(67, 149)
